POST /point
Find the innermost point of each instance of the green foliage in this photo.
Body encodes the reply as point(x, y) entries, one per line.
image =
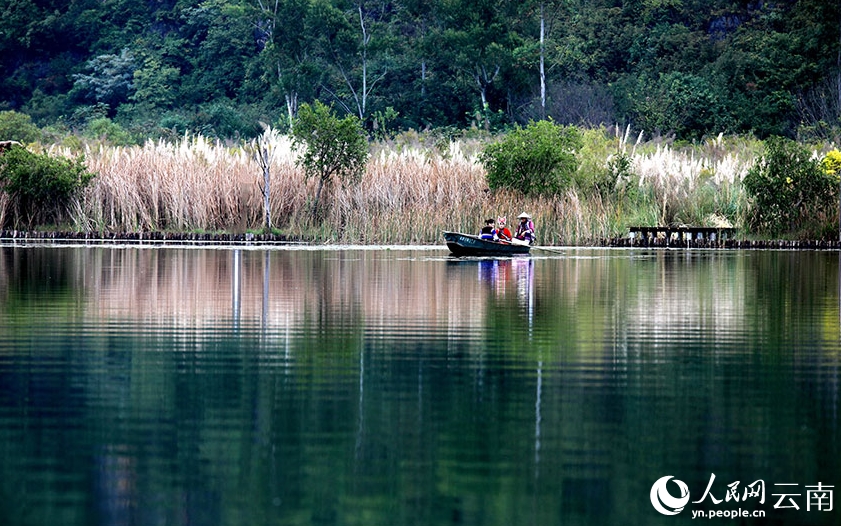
point(600, 163)
point(538, 159)
point(155, 83)
point(16, 126)
point(619, 174)
point(105, 129)
point(673, 66)
point(332, 147)
point(791, 194)
point(680, 103)
point(111, 78)
point(222, 118)
point(39, 186)
point(381, 121)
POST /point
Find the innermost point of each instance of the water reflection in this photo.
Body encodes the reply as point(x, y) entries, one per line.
point(236, 284)
point(115, 485)
point(150, 386)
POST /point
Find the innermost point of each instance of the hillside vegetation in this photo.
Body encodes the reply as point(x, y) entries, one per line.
point(129, 70)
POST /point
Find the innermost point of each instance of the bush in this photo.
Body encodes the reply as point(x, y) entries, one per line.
point(16, 126)
point(831, 164)
point(39, 187)
point(331, 147)
point(105, 129)
point(538, 159)
point(790, 191)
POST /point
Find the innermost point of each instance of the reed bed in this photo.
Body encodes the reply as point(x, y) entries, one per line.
point(696, 186)
point(408, 195)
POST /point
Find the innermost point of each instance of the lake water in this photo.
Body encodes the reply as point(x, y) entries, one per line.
point(161, 386)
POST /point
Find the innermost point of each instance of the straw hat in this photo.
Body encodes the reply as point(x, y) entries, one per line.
point(524, 216)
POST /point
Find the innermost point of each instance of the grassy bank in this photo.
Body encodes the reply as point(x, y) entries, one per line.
point(411, 191)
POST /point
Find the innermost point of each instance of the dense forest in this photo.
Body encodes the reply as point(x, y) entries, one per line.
point(687, 68)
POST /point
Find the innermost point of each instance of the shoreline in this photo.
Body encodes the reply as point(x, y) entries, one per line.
point(144, 238)
point(731, 244)
point(96, 238)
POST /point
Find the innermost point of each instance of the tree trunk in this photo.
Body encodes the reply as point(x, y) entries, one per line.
point(263, 152)
point(267, 227)
point(423, 78)
point(365, 39)
point(291, 106)
point(317, 198)
point(542, 54)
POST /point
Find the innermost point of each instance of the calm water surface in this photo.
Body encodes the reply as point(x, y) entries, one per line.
point(161, 386)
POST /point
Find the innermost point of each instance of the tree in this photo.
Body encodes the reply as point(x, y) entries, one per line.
point(332, 147)
point(40, 187)
point(284, 33)
point(477, 43)
point(155, 84)
point(111, 78)
point(791, 192)
point(263, 149)
point(538, 159)
point(355, 42)
point(680, 103)
point(538, 47)
point(223, 45)
point(433, 61)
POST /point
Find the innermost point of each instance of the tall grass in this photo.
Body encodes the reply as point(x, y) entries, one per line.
point(697, 185)
point(410, 193)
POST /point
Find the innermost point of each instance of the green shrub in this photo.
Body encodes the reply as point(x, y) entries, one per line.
point(105, 129)
point(537, 160)
point(619, 173)
point(39, 187)
point(790, 192)
point(331, 147)
point(16, 126)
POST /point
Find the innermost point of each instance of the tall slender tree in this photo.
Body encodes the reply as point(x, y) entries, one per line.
point(477, 43)
point(355, 43)
point(284, 28)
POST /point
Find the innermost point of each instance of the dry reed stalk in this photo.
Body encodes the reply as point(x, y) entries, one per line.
point(409, 196)
point(191, 184)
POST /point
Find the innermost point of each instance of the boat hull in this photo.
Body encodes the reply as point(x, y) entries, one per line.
point(465, 245)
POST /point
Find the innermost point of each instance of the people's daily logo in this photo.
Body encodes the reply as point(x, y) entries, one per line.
point(670, 496)
point(662, 499)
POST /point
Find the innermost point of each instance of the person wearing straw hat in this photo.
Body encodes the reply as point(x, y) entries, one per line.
point(525, 230)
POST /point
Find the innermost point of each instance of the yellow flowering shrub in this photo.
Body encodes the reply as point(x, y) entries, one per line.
point(831, 165)
point(791, 191)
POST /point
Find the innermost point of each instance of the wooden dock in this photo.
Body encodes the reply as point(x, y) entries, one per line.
point(681, 234)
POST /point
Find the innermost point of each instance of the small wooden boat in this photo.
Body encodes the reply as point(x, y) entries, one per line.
point(469, 245)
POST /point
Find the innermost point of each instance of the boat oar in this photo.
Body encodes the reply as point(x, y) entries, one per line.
point(548, 249)
point(516, 241)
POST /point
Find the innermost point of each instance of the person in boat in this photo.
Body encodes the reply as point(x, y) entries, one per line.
point(525, 230)
point(502, 232)
point(488, 231)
